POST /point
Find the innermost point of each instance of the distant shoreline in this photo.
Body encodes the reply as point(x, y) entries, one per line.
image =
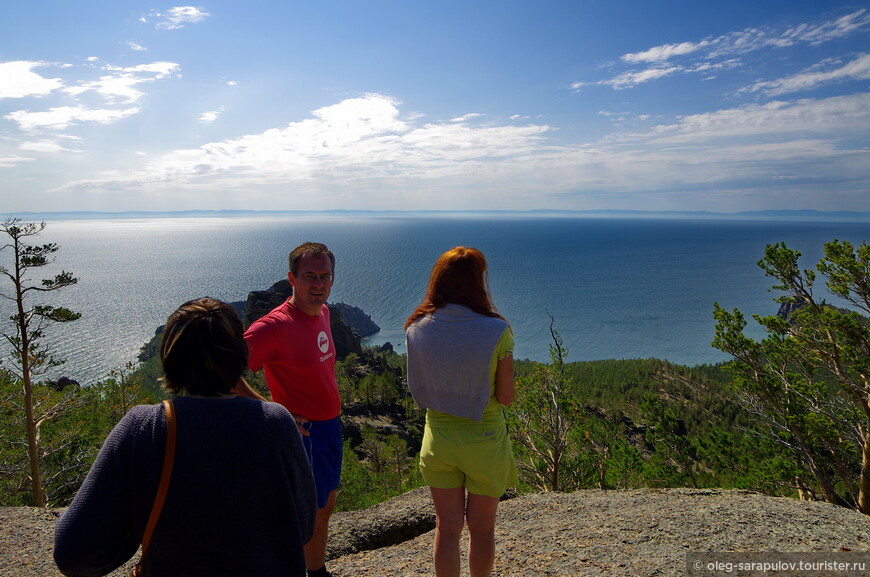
point(757, 215)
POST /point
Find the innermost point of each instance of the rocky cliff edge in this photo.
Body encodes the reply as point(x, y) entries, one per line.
point(630, 533)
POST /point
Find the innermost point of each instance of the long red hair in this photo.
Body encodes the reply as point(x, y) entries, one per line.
point(458, 277)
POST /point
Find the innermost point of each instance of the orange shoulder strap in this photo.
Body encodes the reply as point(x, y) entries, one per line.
point(168, 460)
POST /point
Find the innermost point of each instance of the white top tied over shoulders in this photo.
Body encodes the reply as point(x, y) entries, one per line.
point(449, 360)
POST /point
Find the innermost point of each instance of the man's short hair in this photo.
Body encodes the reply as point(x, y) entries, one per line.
point(309, 248)
point(202, 350)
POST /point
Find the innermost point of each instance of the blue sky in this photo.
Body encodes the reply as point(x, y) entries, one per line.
point(286, 105)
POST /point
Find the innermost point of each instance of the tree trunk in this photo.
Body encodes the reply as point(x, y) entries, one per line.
point(554, 474)
point(30, 418)
point(823, 480)
point(864, 482)
point(33, 445)
point(602, 475)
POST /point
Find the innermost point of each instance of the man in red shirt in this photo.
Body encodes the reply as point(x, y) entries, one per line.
point(294, 347)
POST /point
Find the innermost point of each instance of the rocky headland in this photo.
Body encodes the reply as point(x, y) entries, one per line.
point(348, 323)
point(625, 533)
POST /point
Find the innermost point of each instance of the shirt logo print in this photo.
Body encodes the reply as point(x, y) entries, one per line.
point(323, 342)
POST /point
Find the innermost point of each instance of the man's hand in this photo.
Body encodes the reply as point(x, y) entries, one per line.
point(299, 422)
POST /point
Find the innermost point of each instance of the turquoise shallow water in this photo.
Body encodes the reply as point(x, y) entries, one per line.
point(617, 288)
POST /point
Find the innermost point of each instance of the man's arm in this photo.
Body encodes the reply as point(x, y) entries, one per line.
point(243, 389)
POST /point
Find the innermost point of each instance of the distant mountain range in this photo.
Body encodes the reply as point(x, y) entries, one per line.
point(750, 215)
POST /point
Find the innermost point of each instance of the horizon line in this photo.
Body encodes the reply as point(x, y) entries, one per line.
point(775, 214)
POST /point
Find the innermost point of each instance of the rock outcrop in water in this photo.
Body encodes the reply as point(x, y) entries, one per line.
point(349, 324)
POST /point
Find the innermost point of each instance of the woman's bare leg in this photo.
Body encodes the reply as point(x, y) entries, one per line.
point(449, 520)
point(480, 515)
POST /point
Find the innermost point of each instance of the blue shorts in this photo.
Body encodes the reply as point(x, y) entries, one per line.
point(324, 449)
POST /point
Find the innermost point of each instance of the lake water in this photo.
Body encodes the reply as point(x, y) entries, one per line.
point(617, 288)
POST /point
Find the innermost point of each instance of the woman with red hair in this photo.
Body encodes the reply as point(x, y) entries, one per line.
point(460, 369)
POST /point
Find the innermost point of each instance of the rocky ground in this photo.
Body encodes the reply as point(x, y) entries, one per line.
point(634, 533)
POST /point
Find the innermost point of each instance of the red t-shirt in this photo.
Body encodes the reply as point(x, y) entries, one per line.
point(297, 354)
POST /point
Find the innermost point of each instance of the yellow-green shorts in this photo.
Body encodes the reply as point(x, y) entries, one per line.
point(477, 457)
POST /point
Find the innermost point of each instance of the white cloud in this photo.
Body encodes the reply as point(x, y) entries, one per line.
point(17, 80)
point(722, 51)
point(664, 52)
point(834, 117)
point(176, 17)
point(210, 116)
point(9, 161)
point(136, 46)
point(363, 152)
point(743, 42)
point(709, 66)
point(858, 69)
point(122, 82)
point(830, 30)
point(358, 138)
point(738, 150)
point(630, 79)
point(465, 117)
point(752, 39)
point(158, 69)
point(43, 146)
point(62, 117)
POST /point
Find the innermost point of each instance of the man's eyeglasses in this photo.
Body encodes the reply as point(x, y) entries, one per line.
point(311, 277)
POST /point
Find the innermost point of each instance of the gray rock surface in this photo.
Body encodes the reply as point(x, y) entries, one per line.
point(636, 533)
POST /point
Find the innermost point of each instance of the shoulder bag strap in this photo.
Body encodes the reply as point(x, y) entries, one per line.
point(168, 460)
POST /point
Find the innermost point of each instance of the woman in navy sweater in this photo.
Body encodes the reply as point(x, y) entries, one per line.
point(241, 495)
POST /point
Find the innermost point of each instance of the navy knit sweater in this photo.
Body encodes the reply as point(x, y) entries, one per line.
point(240, 502)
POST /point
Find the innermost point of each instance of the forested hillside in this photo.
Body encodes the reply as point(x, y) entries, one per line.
point(642, 422)
point(788, 416)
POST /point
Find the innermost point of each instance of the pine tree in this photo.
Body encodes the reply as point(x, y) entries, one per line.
point(30, 357)
point(810, 378)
